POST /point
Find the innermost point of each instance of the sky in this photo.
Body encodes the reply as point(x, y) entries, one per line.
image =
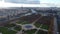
point(23, 1)
point(50, 1)
point(30, 3)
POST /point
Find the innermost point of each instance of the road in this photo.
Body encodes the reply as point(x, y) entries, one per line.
point(55, 26)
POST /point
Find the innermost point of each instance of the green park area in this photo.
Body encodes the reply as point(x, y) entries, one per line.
point(41, 32)
point(45, 27)
point(22, 22)
point(10, 29)
point(37, 25)
point(5, 30)
point(32, 31)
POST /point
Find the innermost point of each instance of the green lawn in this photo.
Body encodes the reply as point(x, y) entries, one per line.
point(23, 22)
point(37, 25)
point(42, 26)
point(17, 28)
point(41, 32)
point(19, 22)
point(30, 31)
point(10, 25)
point(5, 30)
point(45, 27)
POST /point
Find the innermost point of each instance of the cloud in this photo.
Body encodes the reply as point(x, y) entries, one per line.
point(50, 1)
point(43, 3)
point(24, 1)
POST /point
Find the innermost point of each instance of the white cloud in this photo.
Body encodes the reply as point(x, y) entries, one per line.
point(50, 1)
point(43, 3)
point(24, 1)
point(23, 5)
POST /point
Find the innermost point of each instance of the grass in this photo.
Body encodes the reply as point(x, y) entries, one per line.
point(10, 25)
point(5, 30)
point(37, 25)
point(23, 22)
point(45, 27)
point(10, 32)
point(17, 28)
point(19, 22)
point(42, 26)
point(41, 32)
point(30, 31)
